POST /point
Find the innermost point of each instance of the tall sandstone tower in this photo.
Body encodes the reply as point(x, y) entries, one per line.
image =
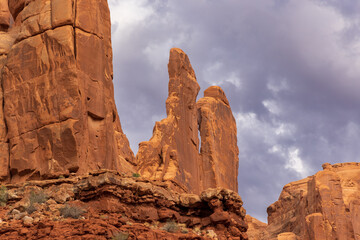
point(57, 109)
point(172, 154)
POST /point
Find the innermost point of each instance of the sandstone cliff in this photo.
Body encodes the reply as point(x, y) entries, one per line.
point(59, 114)
point(323, 206)
point(173, 151)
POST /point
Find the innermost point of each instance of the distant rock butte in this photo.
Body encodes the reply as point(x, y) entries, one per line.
point(59, 114)
point(173, 151)
point(323, 206)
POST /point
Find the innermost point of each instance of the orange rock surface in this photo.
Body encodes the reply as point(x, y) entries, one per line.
point(323, 206)
point(106, 204)
point(256, 229)
point(219, 151)
point(59, 113)
point(4, 15)
point(173, 151)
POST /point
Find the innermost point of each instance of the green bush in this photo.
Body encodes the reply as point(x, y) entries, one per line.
point(171, 226)
point(71, 211)
point(3, 196)
point(136, 175)
point(120, 236)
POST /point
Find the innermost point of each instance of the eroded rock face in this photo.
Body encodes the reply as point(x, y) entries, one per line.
point(4, 15)
point(256, 229)
point(219, 151)
point(115, 203)
point(323, 206)
point(173, 151)
point(59, 108)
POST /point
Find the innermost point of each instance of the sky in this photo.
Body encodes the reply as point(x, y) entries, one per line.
point(290, 69)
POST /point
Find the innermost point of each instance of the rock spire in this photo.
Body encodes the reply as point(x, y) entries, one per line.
point(173, 151)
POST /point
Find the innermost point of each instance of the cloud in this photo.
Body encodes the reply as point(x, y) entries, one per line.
point(289, 68)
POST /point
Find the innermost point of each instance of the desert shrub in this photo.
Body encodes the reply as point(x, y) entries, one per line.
point(71, 211)
point(120, 236)
point(171, 226)
point(38, 197)
point(3, 196)
point(136, 175)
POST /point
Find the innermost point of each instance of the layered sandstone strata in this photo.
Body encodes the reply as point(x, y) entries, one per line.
point(115, 203)
point(323, 206)
point(173, 151)
point(59, 108)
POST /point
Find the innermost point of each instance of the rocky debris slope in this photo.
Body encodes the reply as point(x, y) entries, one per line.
point(173, 151)
point(106, 204)
point(58, 114)
point(323, 206)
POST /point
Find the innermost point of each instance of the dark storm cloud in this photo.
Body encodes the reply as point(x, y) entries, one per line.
point(290, 70)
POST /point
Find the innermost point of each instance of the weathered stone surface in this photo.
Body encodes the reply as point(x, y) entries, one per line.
point(116, 203)
point(256, 229)
point(4, 15)
point(172, 152)
point(323, 206)
point(219, 151)
point(57, 89)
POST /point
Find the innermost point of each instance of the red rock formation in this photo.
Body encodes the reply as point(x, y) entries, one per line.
point(6, 40)
point(219, 151)
point(256, 229)
point(115, 203)
point(58, 95)
point(173, 151)
point(323, 206)
point(4, 15)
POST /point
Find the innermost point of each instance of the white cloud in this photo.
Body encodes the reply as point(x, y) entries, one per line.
point(272, 106)
point(295, 163)
point(277, 85)
point(127, 14)
point(215, 74)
